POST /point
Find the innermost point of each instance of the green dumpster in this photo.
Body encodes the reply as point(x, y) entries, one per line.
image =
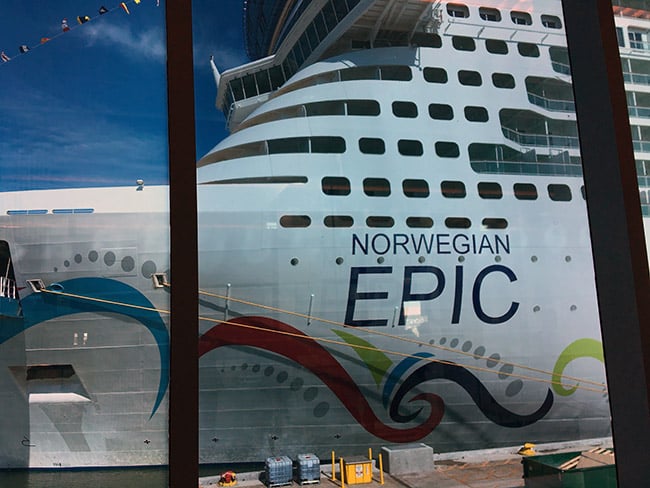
point(589, 469)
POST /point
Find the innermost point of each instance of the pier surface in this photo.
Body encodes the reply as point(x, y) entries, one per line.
point(491, 468)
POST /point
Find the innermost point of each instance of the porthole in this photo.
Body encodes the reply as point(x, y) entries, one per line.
point(496, 46)
point(559, 193)
point(372, 145)
point(494, 223)
point(453, 189)
point(335, 185)
point(476, 114)
point(551, 22)
point(441, 111)
point(380, 221)
point(458, 223)
point(419, 222)
point(525, 191)
point(295, 221)
point(410, 147)
point(489, 190)
point(528, 49)
point(446, 149)
point(462, 43)
point(405, 109)
point(521, 18)
point(435, 75)
point(469, 78)
point(489, 14)
point(338, 221)
point(503, 80)
point(457, 10)
point(376, 187)
point(415, 188)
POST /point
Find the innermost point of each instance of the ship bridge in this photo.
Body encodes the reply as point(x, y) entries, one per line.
point(285, 36)
point(304, 32)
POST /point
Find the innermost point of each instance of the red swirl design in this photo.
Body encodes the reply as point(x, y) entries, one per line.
point(308, 353)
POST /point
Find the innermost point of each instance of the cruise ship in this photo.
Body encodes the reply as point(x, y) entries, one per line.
point(393, 249)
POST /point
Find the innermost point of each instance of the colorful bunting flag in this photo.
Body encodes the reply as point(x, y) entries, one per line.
point(65, 27)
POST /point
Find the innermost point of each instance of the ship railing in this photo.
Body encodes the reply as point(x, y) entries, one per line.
point(641, 146)
point(555, 105)
point(638, 78)
point(8, 288)
point(527, 167)
point(541, 140)
point(563, 68)
point(643, 112)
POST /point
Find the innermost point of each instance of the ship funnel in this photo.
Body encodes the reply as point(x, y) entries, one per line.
point(215, 71)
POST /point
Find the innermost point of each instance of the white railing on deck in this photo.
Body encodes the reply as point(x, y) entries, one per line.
point(8, 288)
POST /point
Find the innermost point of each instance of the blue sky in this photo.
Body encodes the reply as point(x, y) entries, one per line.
point(88, 107)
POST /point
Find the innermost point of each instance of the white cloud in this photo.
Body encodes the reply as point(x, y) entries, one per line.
point(148, 43)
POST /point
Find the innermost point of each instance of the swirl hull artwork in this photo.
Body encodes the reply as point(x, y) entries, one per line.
point(393, 248)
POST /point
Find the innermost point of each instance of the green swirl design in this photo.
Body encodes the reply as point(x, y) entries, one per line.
point(581, 348)
point(376, 361)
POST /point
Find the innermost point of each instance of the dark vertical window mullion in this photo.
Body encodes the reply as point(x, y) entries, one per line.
point(184, 372)
point(616, 226)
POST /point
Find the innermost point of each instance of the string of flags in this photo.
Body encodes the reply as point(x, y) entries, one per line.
point(66, 27)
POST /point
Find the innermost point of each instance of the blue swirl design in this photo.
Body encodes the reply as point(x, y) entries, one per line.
point(472, 385)
point(397, 372)
point(40, 307)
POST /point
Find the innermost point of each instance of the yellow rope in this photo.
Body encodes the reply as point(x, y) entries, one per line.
point(394, 353)
point(324, 340)
point(400, 338)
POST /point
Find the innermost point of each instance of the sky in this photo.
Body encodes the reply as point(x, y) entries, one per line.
point(89, 106)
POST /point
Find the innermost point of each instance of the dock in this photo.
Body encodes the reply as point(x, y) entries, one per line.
point(492, 468)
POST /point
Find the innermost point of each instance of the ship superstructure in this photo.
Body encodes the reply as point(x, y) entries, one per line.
point(393, 248)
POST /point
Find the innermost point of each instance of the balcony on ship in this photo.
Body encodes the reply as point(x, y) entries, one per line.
point(550, 94)
point(501, 159)
point(638, 104)
point(640, 138)
point(531, 130)
point(635, 71)
point(560, 60)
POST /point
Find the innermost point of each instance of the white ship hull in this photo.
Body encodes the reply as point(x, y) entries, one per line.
point(331, 318)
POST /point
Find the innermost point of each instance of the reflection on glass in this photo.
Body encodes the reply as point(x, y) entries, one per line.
point(632, 27)
point(84, 237)
point(435, 284)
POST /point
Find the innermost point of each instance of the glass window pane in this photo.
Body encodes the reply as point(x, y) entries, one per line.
point(85, 265)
